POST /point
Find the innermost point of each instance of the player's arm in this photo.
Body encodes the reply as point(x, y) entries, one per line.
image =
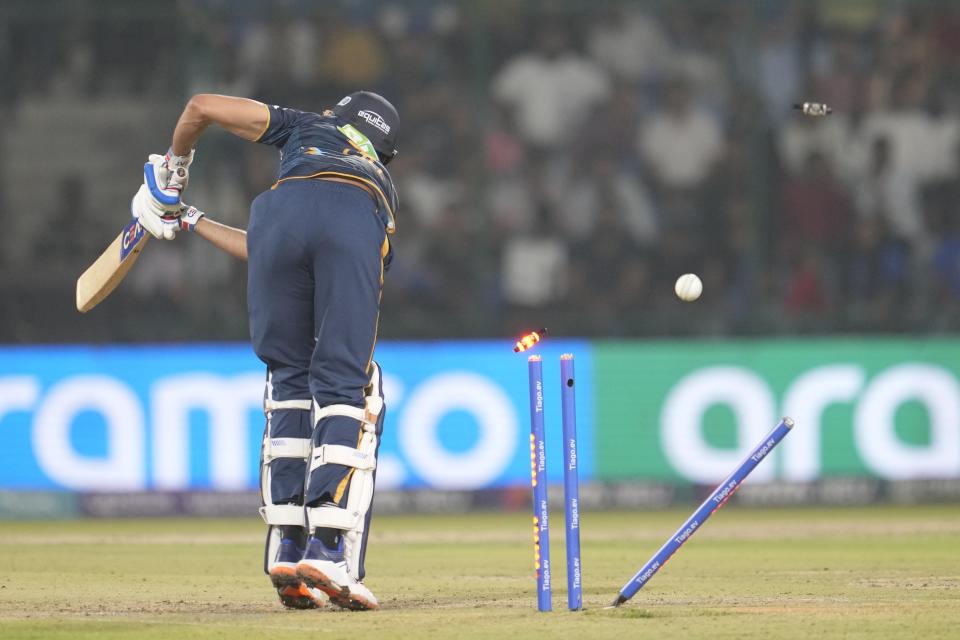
point(166, 177)
point(222, 236)
point(245, 118)
point(230, 239)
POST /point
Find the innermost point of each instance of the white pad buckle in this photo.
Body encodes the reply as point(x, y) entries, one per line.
point(347, 456)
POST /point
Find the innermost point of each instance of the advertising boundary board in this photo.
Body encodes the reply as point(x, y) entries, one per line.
point(650, 413)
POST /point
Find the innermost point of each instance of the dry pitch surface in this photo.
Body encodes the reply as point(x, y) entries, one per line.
point(855, 573)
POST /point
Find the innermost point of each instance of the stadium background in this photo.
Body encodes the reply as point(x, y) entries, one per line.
point(828, 247)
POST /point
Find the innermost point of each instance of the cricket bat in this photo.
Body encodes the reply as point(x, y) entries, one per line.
point(103, 276)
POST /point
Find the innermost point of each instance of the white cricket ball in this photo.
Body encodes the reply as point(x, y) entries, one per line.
point(688, 287)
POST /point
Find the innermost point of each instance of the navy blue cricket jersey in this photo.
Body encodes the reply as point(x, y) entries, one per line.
point(316, 146)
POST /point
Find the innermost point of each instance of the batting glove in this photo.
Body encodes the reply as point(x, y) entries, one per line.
point(167, 176)
point(155, 178)
point(155, 219)
point(189, 217)
point(178, 168)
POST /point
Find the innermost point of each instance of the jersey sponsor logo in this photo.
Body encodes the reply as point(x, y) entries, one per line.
point(374, 119)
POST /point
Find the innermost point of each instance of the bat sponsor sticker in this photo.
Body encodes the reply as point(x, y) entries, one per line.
point(132, 234)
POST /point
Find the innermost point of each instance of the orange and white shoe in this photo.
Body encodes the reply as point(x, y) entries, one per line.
point(300, 596)
point(324, 569)
point(293, 593)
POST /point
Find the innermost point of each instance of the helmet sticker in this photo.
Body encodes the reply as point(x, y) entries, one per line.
point(374, 119)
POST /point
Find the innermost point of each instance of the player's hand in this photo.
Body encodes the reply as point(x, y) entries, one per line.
point(189, 217)
point(178, 168)
point(167, 176)
point(159, 222)
point(155, 178)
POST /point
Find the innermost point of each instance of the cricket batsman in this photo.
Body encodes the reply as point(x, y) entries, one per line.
point(317, 247)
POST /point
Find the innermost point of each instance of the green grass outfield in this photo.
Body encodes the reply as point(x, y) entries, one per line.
point(879, 572)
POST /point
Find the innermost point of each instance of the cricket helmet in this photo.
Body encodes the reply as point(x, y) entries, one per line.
point(374, 117)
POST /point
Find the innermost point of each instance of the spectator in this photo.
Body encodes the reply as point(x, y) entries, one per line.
point(816, 210)
point(606, 188)
point(838, 78)
point(805, 294)
point(838, 139)
point(630, 44)
point(884, 195)
point(540, 176)
point(920, 149)
point(780, 63)
point(606, 262)
point(944, 267)
point(71, 219)
point(534, 266)
point(352, 58)
point(876, 278)
point(550, 91)
point(680, 143)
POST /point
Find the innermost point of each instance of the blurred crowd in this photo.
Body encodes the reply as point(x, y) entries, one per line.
point(562, 163)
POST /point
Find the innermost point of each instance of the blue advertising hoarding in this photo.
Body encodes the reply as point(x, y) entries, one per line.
point(189, 417)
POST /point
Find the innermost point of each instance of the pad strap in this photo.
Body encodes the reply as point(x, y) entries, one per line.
point(367, 416)
point(283, 514)
point(273, 405)
point(334, 517)
point(338, 410)
point(274, 448)
point(347, 456)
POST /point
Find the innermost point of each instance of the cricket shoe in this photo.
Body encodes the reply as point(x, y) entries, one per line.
point(300, 596)
point(283, 574)
point(325, 569)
